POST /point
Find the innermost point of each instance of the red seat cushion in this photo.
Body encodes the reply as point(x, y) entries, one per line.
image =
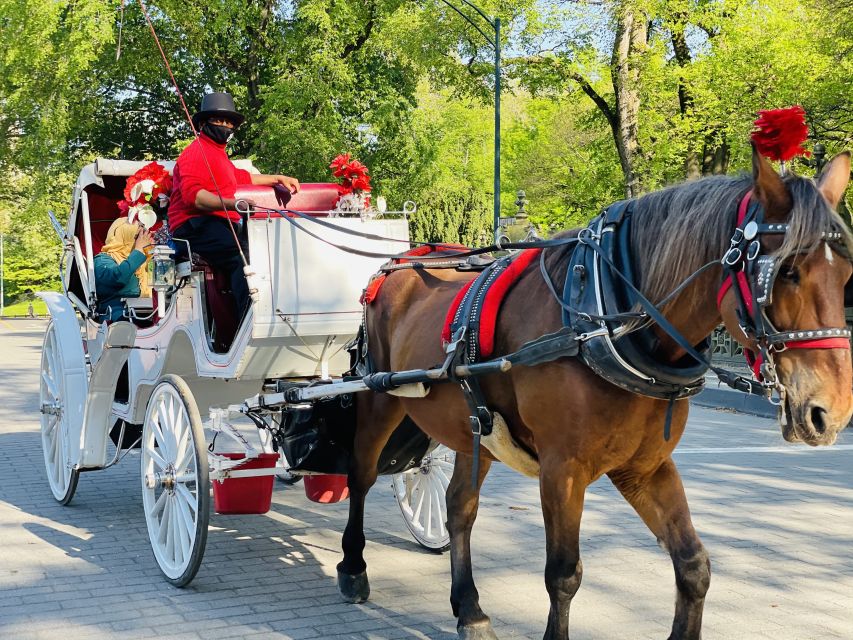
point(220, 303)
point(314, 197)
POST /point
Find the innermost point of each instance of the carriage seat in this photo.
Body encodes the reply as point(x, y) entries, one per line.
point(220, 321)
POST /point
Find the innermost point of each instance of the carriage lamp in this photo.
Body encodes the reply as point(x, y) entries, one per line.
point(162, 275)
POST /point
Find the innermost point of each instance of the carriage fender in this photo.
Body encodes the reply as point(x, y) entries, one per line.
point(98, 416)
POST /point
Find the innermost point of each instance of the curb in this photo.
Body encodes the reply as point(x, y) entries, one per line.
point(721, 398)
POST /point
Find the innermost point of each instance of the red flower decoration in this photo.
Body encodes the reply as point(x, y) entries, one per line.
point(353, 172)
point(154, 172)
point(781, 133)
point(339, 165)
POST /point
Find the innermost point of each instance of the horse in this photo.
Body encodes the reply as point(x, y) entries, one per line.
point(578, 426)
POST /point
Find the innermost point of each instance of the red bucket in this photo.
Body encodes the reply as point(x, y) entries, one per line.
point(326, 488)
point(245, 495)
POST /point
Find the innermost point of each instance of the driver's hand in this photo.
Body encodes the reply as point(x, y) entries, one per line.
point(243, 203)
point(292, 184)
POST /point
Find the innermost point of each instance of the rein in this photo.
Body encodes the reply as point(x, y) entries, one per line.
point(739, 262)
point(289, 214)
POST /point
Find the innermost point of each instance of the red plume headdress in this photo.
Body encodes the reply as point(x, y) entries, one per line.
point(780, 133)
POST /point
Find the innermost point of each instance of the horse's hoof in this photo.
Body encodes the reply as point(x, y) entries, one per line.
point(355, 589)
point(477, 631)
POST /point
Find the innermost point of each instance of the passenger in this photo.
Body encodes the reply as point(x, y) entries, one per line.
point(204, 180)
point(120, 270)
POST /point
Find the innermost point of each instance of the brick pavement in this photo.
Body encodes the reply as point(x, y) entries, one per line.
point(777, 520)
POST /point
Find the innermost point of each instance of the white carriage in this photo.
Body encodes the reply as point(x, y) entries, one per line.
point(150, 381)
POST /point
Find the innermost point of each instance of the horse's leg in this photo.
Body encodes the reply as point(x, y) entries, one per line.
point(462, 502)
point(659, 500)
point(378, 416)
point(562, 488)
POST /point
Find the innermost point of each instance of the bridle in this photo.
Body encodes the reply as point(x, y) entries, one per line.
point(755, 273)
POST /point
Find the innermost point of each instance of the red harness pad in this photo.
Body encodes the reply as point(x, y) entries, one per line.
point(492, 301)
point(372, 290)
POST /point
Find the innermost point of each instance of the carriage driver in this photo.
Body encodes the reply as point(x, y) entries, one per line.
point(202, 174)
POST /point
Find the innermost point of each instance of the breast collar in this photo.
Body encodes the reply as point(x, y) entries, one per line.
point(755, 273)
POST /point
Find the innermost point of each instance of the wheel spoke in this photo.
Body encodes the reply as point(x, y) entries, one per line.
point(183, 463)
point(163, 425)
point(158, 505)
point(416, 512)
point(187, 496)
point(57, 460)
point(187, 526)
point(50, 429)
point(175, 428)
point(172, 538)
point(439, 503)
point(50, 385)
point(155, 458)
point(162, 534)
point(184, 446)
point(159, 438)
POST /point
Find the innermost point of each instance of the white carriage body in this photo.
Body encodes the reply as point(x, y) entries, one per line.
point(307, 309)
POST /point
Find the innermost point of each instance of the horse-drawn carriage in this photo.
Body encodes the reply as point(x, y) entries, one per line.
point(621, 349)
point(147, 381)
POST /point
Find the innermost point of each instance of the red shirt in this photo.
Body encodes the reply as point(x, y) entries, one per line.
point(191, 174)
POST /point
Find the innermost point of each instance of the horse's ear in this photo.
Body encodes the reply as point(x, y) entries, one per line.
point(769, 188)
point(834, 179)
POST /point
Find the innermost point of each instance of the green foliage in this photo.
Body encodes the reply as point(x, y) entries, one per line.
point(407, 88)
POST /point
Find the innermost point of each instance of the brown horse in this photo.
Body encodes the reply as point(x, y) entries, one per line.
point(577, 425)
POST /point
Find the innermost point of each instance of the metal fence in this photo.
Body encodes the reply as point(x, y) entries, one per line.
point(726, 351)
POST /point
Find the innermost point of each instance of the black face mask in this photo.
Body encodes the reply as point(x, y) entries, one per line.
point(218, 133)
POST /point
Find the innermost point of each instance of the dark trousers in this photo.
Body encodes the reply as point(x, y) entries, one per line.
point(211, 238)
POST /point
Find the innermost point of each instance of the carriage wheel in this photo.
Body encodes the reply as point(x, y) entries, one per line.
point(420, 492)
point(54, 421)
point(175, 488)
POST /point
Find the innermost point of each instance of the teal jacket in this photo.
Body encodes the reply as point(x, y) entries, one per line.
point(116, 281)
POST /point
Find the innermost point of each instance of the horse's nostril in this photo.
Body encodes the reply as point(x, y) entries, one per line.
point(818, 416)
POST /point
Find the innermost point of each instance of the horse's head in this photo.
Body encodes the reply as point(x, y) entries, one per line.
point(813, 266)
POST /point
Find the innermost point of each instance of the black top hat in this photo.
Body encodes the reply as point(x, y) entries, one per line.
point(218, 104)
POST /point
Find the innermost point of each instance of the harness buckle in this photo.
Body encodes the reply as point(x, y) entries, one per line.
point(732, 256)
point(753, 250)
point(476, 425)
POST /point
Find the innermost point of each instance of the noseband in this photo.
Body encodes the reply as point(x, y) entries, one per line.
point(755, 273)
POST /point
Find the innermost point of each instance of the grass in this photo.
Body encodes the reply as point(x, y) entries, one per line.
point(20, 308)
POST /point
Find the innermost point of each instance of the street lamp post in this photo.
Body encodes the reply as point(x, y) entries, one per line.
point(2, 278)
point(495, 43)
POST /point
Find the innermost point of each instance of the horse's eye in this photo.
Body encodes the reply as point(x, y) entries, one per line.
point(790, 273)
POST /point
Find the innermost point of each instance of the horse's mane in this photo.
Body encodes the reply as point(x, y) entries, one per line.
point(680, 228)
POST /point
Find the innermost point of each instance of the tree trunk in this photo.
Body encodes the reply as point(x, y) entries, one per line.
point(631, 33)
point(677, 22)
point(715, 159)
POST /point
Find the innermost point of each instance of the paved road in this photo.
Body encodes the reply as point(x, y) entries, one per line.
point(777, 520)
